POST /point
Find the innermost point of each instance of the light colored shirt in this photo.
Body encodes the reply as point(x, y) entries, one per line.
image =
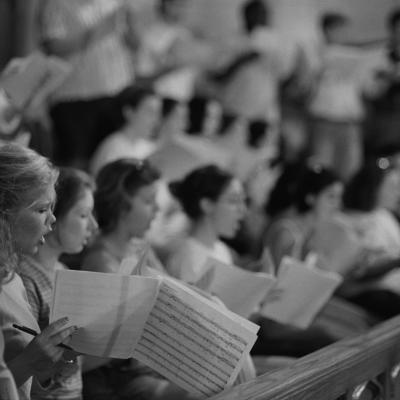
point(157, 42)
point(338, 94)
point(104, 66)
point(117, 146)
point(188, 261)
point(254, 90)
point(38, 281)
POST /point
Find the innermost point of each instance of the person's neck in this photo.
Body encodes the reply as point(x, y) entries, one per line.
point(204, 232)
point(119, 240)
point(135, 130)
point(308, 221)
point(48, 255)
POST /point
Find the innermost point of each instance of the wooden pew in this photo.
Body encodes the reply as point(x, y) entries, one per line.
point(363, 367)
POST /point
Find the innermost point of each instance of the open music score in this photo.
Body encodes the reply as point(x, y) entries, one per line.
point(196, 344)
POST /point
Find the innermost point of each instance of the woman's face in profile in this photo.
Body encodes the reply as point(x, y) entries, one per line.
point(329, 200)
point(30, 225)
point(74, 229)
point(143, 208)
point(229, 210)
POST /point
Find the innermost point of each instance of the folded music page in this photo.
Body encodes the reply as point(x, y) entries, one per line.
point(304, 291)
point(240, 290)
point(109, 309)
point(193, 342)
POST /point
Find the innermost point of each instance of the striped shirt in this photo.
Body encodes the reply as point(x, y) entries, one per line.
point(104, 66)
point(38, 282)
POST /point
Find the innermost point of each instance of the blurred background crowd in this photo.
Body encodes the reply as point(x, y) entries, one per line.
point(272, 126)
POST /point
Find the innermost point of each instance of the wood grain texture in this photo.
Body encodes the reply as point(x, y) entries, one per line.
point(329, 372)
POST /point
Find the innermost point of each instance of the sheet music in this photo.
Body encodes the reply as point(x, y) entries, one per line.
point(109, 309)
point(192, 342)
point(240, 290)
point(305, 291)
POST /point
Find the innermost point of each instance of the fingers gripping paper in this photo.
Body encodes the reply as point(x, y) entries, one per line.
point(251, 287)
point(109, 309)
point(305, 291)
point(192, 342)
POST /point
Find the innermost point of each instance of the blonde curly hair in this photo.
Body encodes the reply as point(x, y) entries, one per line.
point(24, 175)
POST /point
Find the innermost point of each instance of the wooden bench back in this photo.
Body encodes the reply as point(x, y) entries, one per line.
point(363, 367)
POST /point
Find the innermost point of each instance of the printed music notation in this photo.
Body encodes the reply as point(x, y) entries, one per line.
point(195, 343)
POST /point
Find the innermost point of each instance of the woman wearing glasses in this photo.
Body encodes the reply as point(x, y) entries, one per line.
point(215, 203)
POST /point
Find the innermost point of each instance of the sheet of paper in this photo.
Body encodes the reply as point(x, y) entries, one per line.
point(33, 78)
point(109, 309)
point(304, 291)
point(240, 290)
point(193, 342)
point(183, 153)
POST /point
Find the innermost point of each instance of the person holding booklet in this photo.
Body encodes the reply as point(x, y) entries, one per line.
point(74, 226)
point(26, 200)
point(315, 224)
point(125, 206)
point(214, 201)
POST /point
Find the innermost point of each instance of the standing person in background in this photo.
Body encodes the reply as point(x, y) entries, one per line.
point(91, 37)
point(26, 199)
point(251, 87)
point(74, 226)
point(382, 124)
point(336, 108)
point(171, 54)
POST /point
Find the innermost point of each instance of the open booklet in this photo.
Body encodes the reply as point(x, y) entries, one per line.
point(181, 154)
point(240, 290)
point(28, 81)
point(295, 296)
point(194, 343)
point(304, 290)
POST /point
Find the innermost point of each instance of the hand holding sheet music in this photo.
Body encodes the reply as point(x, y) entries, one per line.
point(304, 291)
point(240, 290)
point(193, 342)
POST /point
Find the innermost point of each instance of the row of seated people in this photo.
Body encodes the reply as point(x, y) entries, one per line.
point(124, 203)
point(146, 124)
